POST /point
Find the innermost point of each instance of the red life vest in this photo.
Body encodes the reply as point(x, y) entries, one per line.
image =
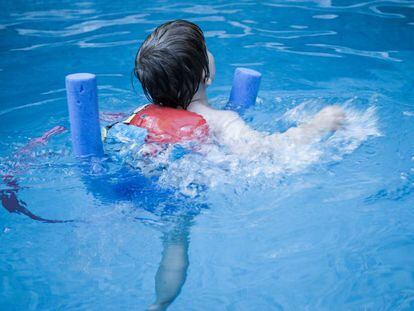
point(169, 125)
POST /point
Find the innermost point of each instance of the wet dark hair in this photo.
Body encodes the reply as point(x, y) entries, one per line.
point(171, 63)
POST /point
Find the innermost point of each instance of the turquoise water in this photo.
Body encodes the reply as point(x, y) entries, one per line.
point(325, 227)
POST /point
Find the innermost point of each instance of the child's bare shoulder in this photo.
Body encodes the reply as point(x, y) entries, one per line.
point(213, 115)
point(217, 120)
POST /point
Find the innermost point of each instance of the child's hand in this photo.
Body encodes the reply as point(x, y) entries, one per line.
point(330, 118)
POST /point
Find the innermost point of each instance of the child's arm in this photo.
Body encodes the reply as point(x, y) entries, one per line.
point(327, 120)
point(233, 132)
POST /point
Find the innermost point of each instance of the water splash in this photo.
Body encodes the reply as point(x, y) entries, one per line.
point(213, 166)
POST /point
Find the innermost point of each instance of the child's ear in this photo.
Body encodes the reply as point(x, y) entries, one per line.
point(212, 69)
point(208, 81)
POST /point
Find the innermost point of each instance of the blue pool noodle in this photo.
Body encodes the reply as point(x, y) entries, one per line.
point(82, 96)
point(244, 91)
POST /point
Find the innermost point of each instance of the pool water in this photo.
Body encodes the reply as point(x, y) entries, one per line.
point(329, 226)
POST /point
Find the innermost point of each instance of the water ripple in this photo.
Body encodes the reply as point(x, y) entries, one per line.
point(208, 9)
point(223, 34)
point(294, 34)
point(34, 47)
point(385, 55)
point(325, 16)
point(85, 43)
point(286, 49)
point(378, 12)
point(87, 26)
point(202, 9)
point(368, 7)
point(39, 103)
point(52, 15)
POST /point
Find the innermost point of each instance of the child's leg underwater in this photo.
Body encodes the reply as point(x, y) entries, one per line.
point(172, 271)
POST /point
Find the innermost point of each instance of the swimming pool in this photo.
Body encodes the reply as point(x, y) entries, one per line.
point(330, 227)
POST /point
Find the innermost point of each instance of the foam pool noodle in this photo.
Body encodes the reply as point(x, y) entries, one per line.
point(246, 83)
point(82, 97)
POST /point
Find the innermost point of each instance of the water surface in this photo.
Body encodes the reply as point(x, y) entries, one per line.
point(328, 228)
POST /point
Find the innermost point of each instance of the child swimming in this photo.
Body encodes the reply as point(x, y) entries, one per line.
point(175, 68)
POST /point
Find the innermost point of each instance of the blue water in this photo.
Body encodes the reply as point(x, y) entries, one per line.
point(325, 228)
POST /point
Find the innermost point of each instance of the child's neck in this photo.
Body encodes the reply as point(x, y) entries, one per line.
point(200, 97)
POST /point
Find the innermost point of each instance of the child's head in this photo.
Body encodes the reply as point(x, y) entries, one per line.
point(172, 62)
